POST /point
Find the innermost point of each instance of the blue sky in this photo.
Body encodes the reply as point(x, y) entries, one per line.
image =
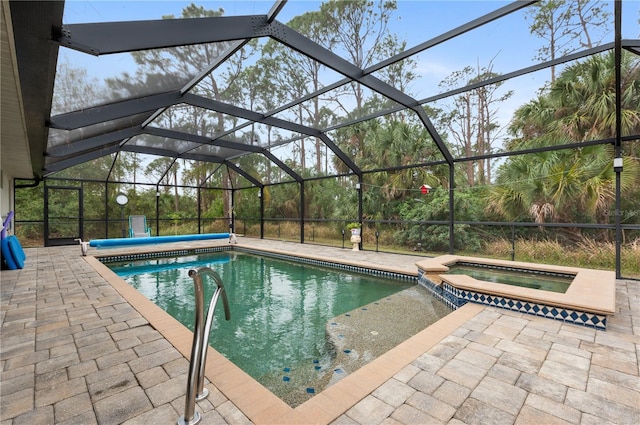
point(414, 21)
point(505, 43)
point(106, 10)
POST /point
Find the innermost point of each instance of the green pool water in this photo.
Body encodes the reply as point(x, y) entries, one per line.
point(508, 277)
point(279, 310)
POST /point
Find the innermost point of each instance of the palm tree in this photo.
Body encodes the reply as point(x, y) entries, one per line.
point(585, 101)
point(571, 185)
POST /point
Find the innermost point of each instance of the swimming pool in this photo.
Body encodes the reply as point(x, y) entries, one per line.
point(294, 327)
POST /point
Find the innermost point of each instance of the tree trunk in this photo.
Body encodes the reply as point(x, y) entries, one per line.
point(468, 147)
point(302, 152)
point(482, 124)
point(176, 199)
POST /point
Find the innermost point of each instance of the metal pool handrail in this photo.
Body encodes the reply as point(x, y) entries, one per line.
point(195, 379)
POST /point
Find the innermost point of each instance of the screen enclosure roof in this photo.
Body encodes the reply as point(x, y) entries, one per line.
point(218, 88)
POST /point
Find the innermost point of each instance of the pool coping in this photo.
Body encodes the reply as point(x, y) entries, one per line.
point(257, 402)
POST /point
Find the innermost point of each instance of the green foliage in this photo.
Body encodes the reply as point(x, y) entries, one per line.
point(320, 197)
point(468, 206)
point(30, 202)
point(571, 185)
point(214, 210)
point(346, 203)
point(283, 201)
point(29, 207)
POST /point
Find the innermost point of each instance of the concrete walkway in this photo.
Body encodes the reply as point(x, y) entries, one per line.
point(74, 351)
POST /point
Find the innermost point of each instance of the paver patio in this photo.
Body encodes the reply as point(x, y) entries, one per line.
point(75, 351)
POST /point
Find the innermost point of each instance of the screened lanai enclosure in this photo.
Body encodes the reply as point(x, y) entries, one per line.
point(484, 127)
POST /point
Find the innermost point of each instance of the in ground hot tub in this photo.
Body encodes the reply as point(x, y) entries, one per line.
point(587, 300)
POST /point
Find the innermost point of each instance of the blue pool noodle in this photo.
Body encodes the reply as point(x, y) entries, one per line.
point(104, 243)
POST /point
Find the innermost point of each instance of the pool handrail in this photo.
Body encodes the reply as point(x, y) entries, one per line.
point(195, 378)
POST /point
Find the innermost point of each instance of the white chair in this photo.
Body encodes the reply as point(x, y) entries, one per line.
point(138, 226)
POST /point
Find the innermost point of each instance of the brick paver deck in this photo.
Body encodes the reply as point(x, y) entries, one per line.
point(75, 351)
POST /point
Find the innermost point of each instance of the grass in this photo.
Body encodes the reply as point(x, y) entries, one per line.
point(586, 254)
